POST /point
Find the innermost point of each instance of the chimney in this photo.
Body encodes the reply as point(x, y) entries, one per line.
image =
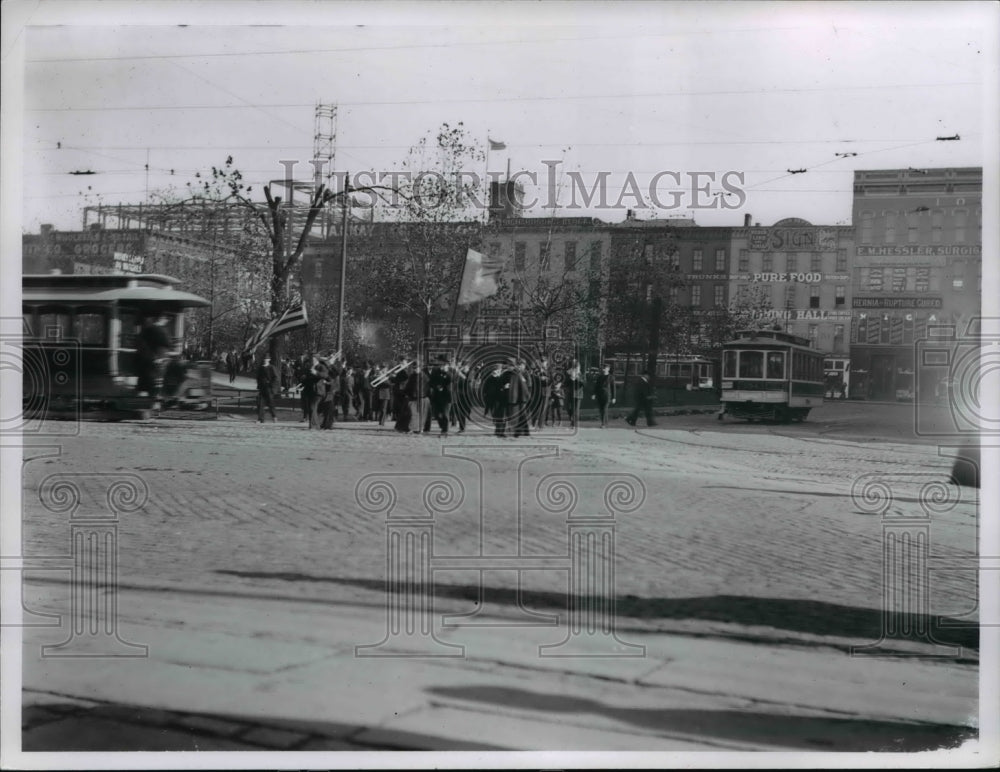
point(96, 226)
point(746, 220)
point(46, 228)
point(629, 215)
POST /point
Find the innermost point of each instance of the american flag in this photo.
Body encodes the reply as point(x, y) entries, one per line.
point(292, 319)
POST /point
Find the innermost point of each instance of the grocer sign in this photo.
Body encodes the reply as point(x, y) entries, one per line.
point(794, 239)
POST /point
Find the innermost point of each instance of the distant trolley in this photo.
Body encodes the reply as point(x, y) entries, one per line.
point(79, 345)
point(767, 374)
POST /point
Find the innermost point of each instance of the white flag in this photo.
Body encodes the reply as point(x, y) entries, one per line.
point(478, 278)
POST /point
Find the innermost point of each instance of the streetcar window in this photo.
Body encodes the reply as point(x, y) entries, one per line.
point(729, 364)
point(776, 364)
point(685, 369)
point(55, 325)
point(91, 328)
point(751, 364)
point(130, 328)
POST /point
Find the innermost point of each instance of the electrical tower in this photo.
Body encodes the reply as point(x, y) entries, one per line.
point(325, 152)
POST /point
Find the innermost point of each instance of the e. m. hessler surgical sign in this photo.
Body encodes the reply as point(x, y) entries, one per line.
point(905, 302)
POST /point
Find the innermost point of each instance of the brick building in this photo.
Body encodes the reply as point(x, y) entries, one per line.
point(917, 265)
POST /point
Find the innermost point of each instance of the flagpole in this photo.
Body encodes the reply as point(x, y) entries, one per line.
point(489, 189)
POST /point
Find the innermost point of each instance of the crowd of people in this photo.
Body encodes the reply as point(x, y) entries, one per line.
point(516, 399)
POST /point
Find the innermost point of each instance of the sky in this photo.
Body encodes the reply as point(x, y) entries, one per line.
point(693, 90)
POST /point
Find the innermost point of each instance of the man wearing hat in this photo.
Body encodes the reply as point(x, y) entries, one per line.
point(643, 400)
point(439, 386)
point(517, 395)
point(268, 383)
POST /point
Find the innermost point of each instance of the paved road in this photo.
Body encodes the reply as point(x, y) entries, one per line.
point(742, 534)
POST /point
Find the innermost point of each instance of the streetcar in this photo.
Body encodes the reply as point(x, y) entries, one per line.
point(672, 371)
point(79, 345)
point(768, 374)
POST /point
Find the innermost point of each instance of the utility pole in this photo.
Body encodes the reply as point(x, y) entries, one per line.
point(343, 261)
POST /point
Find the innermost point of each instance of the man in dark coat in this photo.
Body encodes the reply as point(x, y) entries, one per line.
point(152, 345)
point(439, 384)
point(346, 389)
point(604, 393)
point(462, 396)
point(496, 399)
point(400, 394)
point(268, 384)
point(539, 383)
point(643, 400)
point(518, 394)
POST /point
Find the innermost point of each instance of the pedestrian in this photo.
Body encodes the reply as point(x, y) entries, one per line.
point(461, 399)
point(518, 394)
point(314, 390)
point(364, 387)
point(328, 404)
point(346, 389)
point(539, 392)
point(439, 384)
point(414, 389)
point(382, 395)
point(495, 399)
point(573, 388)
point(152, 347)
point(268, 384)
point(644, 394)
point(604, 393)
point(231, 364)
point(553, 412)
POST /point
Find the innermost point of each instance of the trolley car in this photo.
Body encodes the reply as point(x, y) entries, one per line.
point(768, 374)
point(79, 345)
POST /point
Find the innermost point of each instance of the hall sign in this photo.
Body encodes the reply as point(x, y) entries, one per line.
point(907, 251)
point(794, 239)
point(896, 302)
point(813, 314)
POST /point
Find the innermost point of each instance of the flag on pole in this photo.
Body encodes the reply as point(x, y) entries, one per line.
point(479, 277)
point(494, 145)
point(292, 319)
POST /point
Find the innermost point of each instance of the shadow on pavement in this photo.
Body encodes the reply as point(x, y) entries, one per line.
point(814, 617)
point(76, 727)
point(793, 732)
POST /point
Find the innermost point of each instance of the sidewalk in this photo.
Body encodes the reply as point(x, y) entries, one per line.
point(235, 672)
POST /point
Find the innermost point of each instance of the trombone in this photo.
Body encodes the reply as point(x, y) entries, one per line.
point(388, 374)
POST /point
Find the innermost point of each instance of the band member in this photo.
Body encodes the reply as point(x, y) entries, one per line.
point(439, 387)
point(539, 383)
point(604, 392)
point(573, 387)
point(643, 400)
point(517, 393)
point(495, 399)
point(461, 401)
point(401, 409)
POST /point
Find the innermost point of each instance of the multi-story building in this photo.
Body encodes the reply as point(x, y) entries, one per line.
point(799, 275)
point(918, 264)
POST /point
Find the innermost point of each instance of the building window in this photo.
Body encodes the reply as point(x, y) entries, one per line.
point(838, 333)
point(696, 260)
point(768, 263)
point(841, 261)
point(814, 296)
point(961, 217)
point(744, 260)
point(875, 280)
point(570, 256)
point(958, 284)
point(595, 254)
point(935, 235)
point(720, 260)
point(816, 263)
point(520, 254)
point(318, 269)
point(720, 294)
point(813, 333)
point(696, 295)
point(840, 295)
point(923, 279)
point(865, 232)
point(673, 295)
point(675, 261)
point(544, 251)
point(890, 227)
point(518, 290)
point(899, 279)
point(793, 264)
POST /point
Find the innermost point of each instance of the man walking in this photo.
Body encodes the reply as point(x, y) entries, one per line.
point(495, 398)
point(604, 393)
point(440, 383)
point(643, 400)
point(268, 382)
point(518, 395)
